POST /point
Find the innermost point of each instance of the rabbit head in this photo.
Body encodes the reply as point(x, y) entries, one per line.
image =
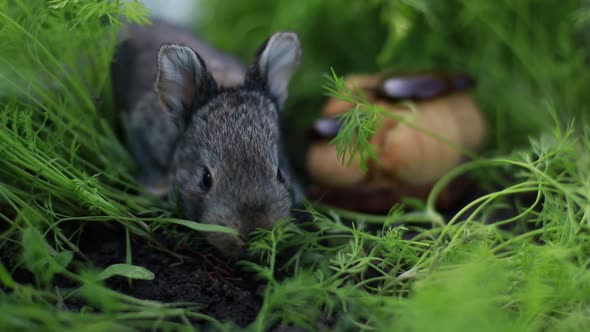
point(229, 167)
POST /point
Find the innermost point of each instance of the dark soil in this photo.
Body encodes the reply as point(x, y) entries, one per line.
point(203, 276)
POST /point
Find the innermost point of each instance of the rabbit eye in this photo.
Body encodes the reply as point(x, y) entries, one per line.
point(206, 180)
point(280, 176)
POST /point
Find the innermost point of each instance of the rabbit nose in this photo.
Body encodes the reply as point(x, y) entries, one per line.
point(255, 217)
point(250, 225)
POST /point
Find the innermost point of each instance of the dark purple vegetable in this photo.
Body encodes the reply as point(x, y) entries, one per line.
point(325, 128)
point(414, 87)
point(423, 86)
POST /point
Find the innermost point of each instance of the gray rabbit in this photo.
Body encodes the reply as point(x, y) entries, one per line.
point(206, 130)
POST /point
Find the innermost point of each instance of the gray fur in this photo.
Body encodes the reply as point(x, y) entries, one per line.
point(201, 111)
point(278, 62)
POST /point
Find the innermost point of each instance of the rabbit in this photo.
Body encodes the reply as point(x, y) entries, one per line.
point(206, 131)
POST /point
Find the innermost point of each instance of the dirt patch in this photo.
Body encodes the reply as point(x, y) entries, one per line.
point(203, 277)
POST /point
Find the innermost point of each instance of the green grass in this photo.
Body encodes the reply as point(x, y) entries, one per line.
point(62, 164)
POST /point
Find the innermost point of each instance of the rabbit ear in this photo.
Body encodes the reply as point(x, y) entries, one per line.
point(274, 65)
point(182, 79)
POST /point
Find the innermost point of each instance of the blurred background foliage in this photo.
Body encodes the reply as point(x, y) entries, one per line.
point(523, 53)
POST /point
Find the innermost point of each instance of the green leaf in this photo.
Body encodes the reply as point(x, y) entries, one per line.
point(5, 277)
point(40, 258)
point(36, 254)
point(128, 271)
point(63, 259)
point(199, 226)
